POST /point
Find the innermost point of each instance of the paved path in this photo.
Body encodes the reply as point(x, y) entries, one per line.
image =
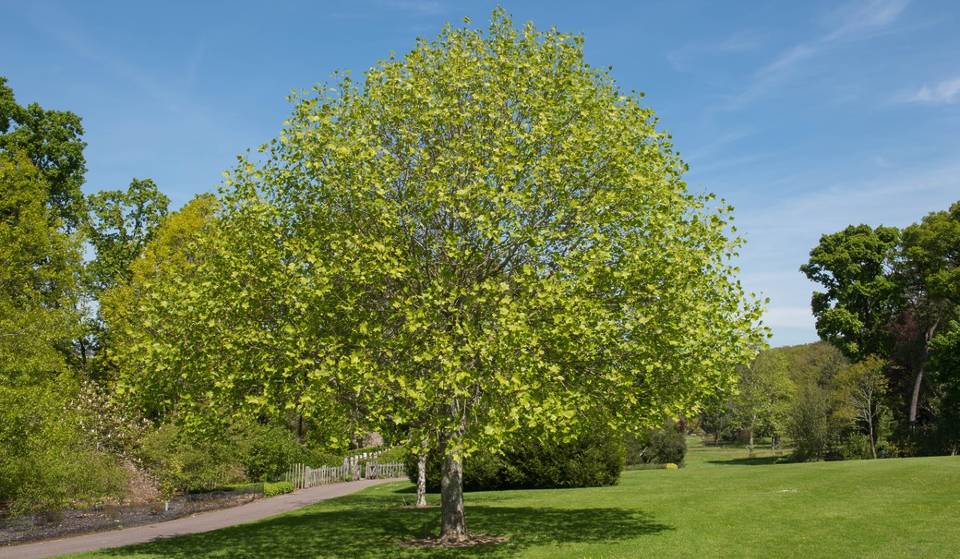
point(201, 522)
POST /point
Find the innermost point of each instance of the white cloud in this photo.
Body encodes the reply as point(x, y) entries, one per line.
point(788, 58)
point(947, 91)
point(858, 19)
point(855, 20)
point(789, 317)
point(739, 42)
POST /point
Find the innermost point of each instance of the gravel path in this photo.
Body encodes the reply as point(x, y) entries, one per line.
point(203, 522)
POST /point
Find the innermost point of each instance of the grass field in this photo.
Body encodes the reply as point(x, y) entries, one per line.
point(722, 504)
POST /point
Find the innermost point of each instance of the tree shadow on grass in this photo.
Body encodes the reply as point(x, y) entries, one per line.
point(755, 461)
point(370, 526)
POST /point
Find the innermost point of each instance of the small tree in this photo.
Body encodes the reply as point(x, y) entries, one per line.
point(810, 424)
point(765, 391)
point(863, 389)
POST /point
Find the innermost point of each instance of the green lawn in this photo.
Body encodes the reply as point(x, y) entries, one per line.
point(721, 505)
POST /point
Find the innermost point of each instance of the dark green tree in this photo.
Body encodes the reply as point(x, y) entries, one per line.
point(945, 376)
point(52, 140)
point(861, 296)
point(929, 271)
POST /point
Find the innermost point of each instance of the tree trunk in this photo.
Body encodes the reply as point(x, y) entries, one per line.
point(915, 400)
point(83, 353)
point(452, 525)
point(422, 480)
point(873, 442)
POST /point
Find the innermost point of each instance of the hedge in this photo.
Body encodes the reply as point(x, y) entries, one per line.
point(595, 458)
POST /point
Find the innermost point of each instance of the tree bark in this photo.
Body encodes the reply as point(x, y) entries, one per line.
point(422, 480)
point(915, 400)
point(452, 525)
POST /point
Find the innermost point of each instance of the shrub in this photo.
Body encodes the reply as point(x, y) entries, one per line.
point(594, 458)
point(272, 489)
point(855, 446)
point(266, 451)
point(183, 463)
point(317, 457)
point(667, 446)
point(392, 455)
point(659, 446)
point(809, 425)
point(46, 461)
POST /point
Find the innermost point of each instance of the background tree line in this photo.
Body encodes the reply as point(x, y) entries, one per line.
point(67, 436)
point(890, 300)
point(886, 380)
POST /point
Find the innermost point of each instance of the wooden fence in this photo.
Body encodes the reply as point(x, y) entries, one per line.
point(375, 470)
point(302, 476)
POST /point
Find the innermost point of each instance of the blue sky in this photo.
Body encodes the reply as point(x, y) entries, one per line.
point(807, 116)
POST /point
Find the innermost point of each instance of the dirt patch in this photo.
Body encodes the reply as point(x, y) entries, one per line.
point(141, 488)
point(44, 526)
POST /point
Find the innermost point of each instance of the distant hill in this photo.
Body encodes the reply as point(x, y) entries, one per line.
point(815, 362)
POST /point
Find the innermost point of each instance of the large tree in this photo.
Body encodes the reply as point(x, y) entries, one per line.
point(855, 266)
point(945, 372)
point(45, 461)
point(118, 226)
point(929, 271)
point(170, 254)
point(52, 140)
point(487, 235)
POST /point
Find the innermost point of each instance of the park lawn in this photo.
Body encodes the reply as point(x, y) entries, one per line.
point(722, 504)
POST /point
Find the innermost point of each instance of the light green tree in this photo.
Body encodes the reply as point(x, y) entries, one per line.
point(170, 256)
point(487, 235)
point(45, 460)
point(38, 268)
point(764, 395)
point(219, 321)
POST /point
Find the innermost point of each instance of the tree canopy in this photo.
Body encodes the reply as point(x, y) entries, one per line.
point(861, 297)
point(52, 140)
